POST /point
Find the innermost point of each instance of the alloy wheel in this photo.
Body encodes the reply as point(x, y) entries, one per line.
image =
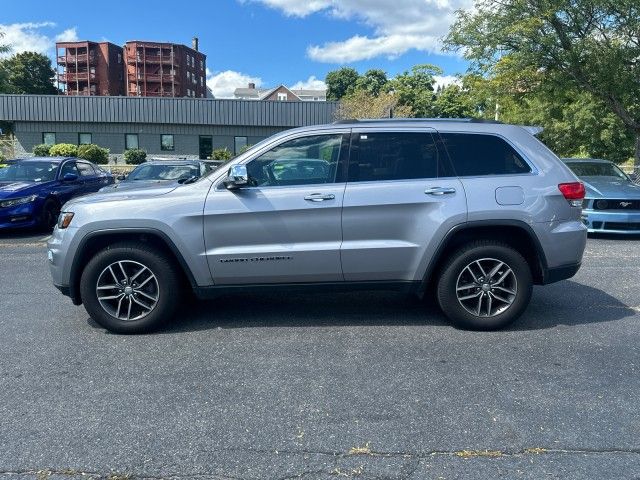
point(127, 290)
point(486, 287)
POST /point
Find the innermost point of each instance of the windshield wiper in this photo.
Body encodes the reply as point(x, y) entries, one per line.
point(188, 180)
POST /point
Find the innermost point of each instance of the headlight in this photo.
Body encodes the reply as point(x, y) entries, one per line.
point(64, 219)
point(18, 201)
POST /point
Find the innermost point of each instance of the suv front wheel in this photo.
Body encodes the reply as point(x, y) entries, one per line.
point(130, 288)
point(485, 286)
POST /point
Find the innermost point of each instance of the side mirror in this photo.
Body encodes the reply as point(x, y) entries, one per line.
point(121, 177)
point(237, 177)
point(70, 177)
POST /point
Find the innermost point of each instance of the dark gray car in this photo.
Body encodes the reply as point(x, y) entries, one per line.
point(154, 172)
point(476, 212)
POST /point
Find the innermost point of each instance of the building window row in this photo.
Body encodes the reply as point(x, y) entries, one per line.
point(131, 141)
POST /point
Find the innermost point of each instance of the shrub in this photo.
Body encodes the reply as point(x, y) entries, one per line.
point(221, 154)
point(94, 153)
point(245, 148)
point(41, 150)
point(64, 150)
point(135, 156)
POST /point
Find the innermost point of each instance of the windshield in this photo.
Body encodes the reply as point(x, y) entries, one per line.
point(597, 169)
point(164, 172)
point(29, 172)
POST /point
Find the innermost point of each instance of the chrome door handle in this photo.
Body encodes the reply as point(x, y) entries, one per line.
point(319, 197)
point(440, 191)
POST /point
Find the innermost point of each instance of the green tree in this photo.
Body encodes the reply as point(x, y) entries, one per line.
point(3, 75)
point(453, 101)
point(28, 72)
point(341, 82)
point(362, 104)
point(415, 89)
point(589, 45)
point(373, 82)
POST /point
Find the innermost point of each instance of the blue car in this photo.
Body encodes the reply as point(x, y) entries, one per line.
point(33, 190)
point(612, 202)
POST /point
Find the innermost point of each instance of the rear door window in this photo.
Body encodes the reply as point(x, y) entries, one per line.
point(476, 155)
point(383, 156)
point(86, 170)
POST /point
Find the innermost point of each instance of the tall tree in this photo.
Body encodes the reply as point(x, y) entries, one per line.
point(341, 82)
point(587, 45)
point(3, 77)
point(29, 72)
point(415, 89)
point(373, 81)
point(453, 101)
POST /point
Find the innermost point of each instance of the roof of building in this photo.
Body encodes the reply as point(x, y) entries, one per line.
point(186, 111)
point(265, 92)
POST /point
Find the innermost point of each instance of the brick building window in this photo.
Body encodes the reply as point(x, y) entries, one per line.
point(84, 139)
point(49, 138)
point(131, 141)
point(166, 142)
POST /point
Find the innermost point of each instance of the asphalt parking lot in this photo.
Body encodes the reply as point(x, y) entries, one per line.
point(372, 385)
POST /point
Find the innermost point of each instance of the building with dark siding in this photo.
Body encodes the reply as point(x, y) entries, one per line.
point(166, 127)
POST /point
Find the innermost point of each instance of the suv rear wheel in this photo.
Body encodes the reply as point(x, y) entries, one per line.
point(130, 288)
point(485, 286)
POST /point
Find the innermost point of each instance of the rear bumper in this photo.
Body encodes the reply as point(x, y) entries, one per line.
point(624, 223)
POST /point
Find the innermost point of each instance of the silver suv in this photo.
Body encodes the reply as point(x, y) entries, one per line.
point(475, 212)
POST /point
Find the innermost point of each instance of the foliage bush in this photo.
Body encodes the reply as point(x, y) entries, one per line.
point(94, 153)
point(245, 148)
point(41, 150)
point(64, 150)
point(135, 156)
point(221, 154)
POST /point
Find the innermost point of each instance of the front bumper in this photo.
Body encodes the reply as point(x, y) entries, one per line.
point(601, 221)
point(20, 216)
point(57, 248)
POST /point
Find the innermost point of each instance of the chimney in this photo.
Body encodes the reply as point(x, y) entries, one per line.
point(252, 86)
point(194, 43)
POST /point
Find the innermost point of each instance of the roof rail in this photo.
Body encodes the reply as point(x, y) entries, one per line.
point(408, 120)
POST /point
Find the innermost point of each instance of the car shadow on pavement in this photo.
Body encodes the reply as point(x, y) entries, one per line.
point(565, 303)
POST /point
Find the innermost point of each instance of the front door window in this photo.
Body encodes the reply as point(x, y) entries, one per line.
point(302, 161)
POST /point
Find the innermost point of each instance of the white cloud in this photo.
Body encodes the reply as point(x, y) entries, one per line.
point(69, 35)
point(398, 26)
point(312, 83)
point(445, 81)
point(34, 37)
point(223, 84)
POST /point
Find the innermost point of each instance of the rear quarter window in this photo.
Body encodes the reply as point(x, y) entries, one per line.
point(478, 154)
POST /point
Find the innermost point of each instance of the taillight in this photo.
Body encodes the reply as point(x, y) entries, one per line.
point(574, 192)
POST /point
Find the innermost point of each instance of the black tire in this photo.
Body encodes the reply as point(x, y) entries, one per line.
point(455, 271)
point(49, 215)
point(167, 293)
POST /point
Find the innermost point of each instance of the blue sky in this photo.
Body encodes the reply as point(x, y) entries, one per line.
point(295, 42)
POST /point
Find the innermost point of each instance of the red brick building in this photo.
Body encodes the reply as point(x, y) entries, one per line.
point(164, 70)
point(144, 69)
point(90, 68)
